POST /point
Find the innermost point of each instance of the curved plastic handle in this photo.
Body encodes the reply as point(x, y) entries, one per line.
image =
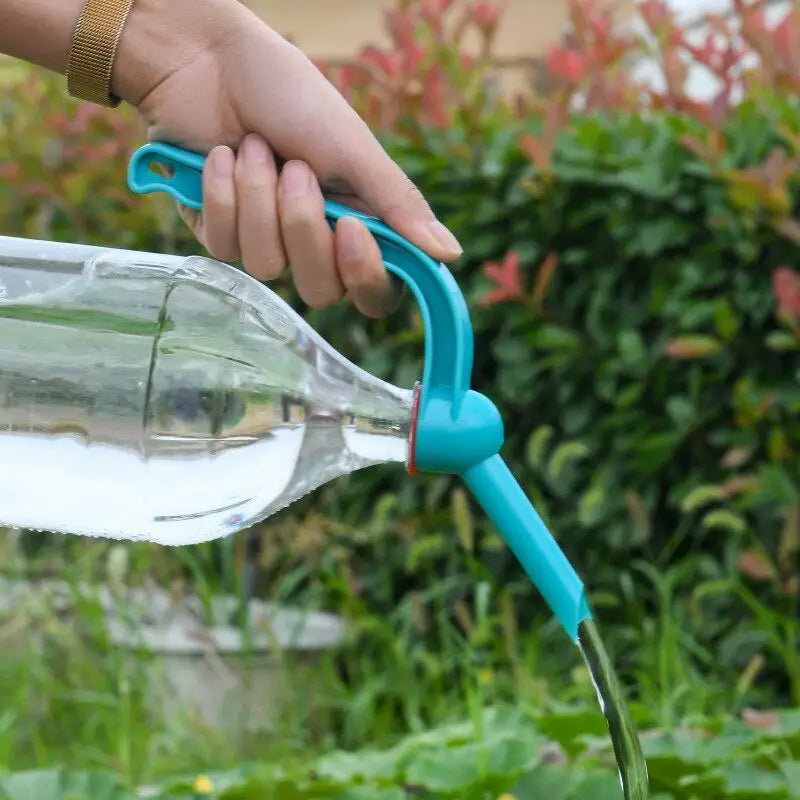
point(448, 330)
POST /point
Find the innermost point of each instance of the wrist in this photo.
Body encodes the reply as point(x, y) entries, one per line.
point(161, 37)
point(140, 59)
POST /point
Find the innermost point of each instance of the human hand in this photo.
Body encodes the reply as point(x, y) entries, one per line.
point(211, 76)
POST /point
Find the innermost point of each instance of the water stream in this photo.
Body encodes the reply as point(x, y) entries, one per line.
point(624, 739)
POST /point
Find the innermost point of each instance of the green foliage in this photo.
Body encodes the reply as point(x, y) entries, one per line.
point(636, 322)
point(501, 754)
point(642, 373)
point(647, 413)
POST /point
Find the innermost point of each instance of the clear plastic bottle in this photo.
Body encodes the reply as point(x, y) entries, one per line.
point(170, 399)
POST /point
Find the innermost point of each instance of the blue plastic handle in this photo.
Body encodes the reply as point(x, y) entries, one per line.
point(458, 431)
point(448, 340)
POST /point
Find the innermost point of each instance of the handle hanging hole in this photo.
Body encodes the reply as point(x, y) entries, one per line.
point(164, 170)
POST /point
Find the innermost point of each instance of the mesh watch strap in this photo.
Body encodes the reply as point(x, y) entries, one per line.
point(94, 46)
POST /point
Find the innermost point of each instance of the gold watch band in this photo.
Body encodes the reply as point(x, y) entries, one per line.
point(94, 48)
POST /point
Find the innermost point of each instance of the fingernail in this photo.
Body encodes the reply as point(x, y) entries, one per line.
point(222, 162)
point(255, 150)
point(352, 244)
point(445, 238)
point(295, 179)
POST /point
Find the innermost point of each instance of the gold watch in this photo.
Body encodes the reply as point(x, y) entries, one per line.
point(94, 48)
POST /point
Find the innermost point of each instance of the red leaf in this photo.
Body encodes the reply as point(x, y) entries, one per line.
point(544, 278)
point(390, 64)
point(786, 285)
point(741, 484)
point(486, 15)
point(760, 720)
point(786, 35)
point(434, 94)
point(755, 565)
point(10, 172)
point(568, 64)
point(789, 229)
point(537, 149)
point(507, 277)
point(691, 347)
point(655, 13)
point(433, 11)
point(791, 586)
point(401, 28)
point(736, 457)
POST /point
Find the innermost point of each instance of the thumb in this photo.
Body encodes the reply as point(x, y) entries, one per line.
point(399, 202)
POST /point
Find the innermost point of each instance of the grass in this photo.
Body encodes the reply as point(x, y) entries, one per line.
point(72, 699)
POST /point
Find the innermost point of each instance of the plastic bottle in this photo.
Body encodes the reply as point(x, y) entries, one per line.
point(170, 399)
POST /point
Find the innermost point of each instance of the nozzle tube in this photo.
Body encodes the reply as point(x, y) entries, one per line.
point(502, 498)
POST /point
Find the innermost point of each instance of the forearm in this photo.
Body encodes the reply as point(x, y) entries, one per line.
point(39, 31)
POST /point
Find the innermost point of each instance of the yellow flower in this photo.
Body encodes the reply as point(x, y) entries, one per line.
point(486, 676)
point(506, 796)
point(203, 785)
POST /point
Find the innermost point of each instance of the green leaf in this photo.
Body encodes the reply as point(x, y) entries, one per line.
point(371, 793)
point(59, 785)
point(681, 410)
point(592, 506)
point(725, 520)
point(537, 443)
point(791, 772)
point(456, 769)
point(630, 395)
point(511, 351)
point(654, 237)
point(462, 519)
point(601, 786)
point(554, 337)
point(778, 485)
point(568, 727)
point(563, 455)
point(226, 783)
point(546, 782)
point(33, 785)
point(631, 346)
point(424, 550)
point(701, 496)
point(782, 341)
point(726, 320)
point(788, 727)
point(343, 768)
point(744, 781)
point(653, 452)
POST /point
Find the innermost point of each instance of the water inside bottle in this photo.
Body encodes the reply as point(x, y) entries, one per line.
point(172, 400)
point(624, 739)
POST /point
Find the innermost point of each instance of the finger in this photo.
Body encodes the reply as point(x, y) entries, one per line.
point(379, 181)
point(306, 236)
point(219, 205)
point(341, 149)
point(360, 265)
point(351, 201)
point(193, 220)
point(256, 181)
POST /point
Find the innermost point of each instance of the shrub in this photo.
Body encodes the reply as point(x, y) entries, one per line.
point(631, 263)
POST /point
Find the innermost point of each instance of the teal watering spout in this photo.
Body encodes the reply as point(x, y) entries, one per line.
point(457, 431)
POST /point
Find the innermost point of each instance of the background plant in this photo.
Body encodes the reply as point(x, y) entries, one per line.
point(632, 269)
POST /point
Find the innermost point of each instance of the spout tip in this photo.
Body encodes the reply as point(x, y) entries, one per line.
point(582, 612)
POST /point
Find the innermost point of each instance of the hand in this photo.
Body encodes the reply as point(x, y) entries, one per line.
point(211, 76)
